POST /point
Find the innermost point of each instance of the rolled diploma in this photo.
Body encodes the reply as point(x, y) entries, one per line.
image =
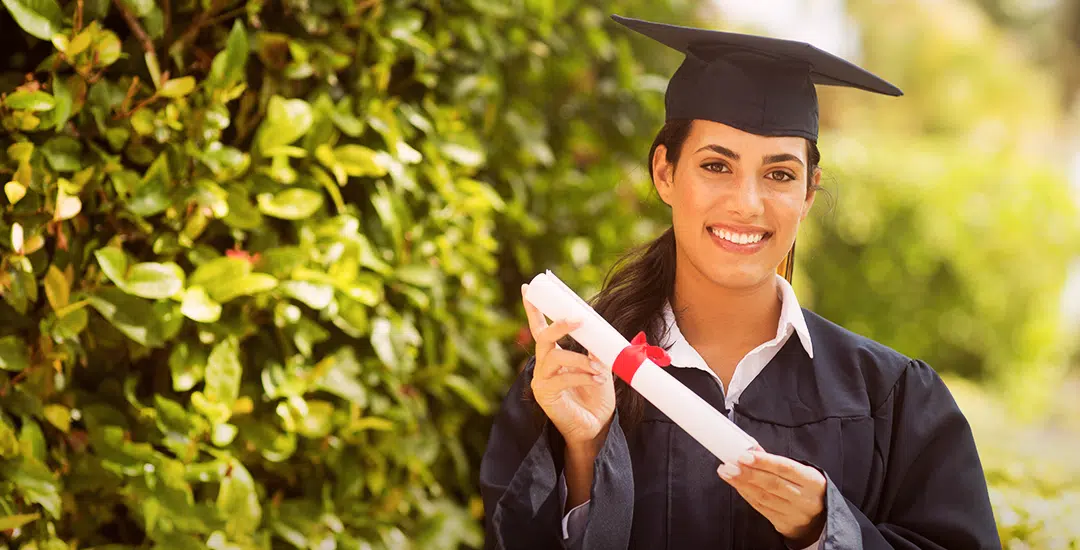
point(685, 408)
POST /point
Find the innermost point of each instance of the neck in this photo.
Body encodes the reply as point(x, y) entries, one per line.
point(724, 322)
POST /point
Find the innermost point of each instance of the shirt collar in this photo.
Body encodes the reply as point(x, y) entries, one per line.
point(791, 318)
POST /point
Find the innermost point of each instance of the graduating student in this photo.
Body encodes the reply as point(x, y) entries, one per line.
point(859, 446)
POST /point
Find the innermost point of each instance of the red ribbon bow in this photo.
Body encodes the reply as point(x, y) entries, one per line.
point(632, 356)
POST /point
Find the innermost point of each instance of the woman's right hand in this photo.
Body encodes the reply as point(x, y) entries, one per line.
point(575, 392)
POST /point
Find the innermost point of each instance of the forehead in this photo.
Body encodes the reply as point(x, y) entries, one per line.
point(747, 145)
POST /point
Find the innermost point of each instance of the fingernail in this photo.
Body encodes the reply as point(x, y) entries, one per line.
point(599, 378)
point(728, 471)
point(597, 366)
point(746, 458)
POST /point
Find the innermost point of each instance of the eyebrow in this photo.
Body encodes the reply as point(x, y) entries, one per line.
point(720, 149)
point(767, 159)
point(770, 159)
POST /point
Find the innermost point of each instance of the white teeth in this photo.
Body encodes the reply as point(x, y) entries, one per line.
point(737, 238)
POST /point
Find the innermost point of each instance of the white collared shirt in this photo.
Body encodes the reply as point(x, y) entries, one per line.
point(684, 355)
point(791, 320)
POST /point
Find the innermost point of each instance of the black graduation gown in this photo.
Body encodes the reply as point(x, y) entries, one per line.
point(899, 457)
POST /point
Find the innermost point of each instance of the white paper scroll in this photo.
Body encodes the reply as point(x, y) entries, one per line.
point(684, 407)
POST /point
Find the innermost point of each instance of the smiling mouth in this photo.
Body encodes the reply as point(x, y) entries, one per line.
point(739, 238)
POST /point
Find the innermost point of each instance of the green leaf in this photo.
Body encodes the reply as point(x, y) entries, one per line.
point(32, 439)
point(13, 354)
point(318, 420)
point(238, 502)
point(198, 306)
point(132, 316)
point(219, 271)
point(316, 296)
point(29, 101)
point(178, 87)
point(286, 121)
point(71, 324)
point(40, 18)
point(228, 66)
point(151, 197)
point(342, 369)
point(9, 442)
point(141, 8)
point(465, 389)
point(63, 153)
point(247, 285)
point(16, 521)
point(418, 275)
point(14, 191)
point(223, 434)
point(154, 280)
point(465, 156)
point(153, 68)
point(242, 214)
point(67, 206)
point(79, 43)
point(65, 100)
point(291, 204)
point(59, 416)
point(187, 364)
point(359, 161)
point(113, 264)
point(37, 484)
point(223, 371)
point(57, 290)
point(107, 49)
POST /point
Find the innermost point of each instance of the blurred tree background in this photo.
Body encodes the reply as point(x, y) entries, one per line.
point(259, 260)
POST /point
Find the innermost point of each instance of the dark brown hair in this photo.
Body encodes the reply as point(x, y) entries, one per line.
point(640, 283)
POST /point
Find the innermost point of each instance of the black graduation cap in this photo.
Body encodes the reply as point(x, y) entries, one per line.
point(758, 84)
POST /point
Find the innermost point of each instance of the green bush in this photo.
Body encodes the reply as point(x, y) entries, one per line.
point(250, 257)
point(953, 223)
point(1030, 466)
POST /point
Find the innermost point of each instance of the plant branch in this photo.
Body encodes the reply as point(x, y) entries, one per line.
point(136, 28)
point(197, 25)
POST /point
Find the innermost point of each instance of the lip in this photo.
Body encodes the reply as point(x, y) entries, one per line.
point(739, 228)
point(729, 246)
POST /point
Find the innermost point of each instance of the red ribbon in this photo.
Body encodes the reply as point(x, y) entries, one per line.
point(632, 356)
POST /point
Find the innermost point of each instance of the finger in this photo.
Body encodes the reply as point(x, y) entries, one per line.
point(565, 381)
point(772, 512)
point(742, 477)
point(559, 360)
point(555, 331)
point(572, 361)
point(781, 466)
point(537, 323)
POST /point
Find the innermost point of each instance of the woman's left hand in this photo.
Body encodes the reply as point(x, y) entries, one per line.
point(789, 494)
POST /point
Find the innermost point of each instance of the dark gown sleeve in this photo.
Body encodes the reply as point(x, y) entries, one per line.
point(519, 476)
point(933, 492)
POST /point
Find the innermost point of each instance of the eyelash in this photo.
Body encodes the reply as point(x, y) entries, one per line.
point(787, 176)
point(708, 166)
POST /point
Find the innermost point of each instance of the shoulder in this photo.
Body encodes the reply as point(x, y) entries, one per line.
point(857, 360)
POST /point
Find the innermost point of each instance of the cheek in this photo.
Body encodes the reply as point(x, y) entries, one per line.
point(693, 198)
point(787, 208)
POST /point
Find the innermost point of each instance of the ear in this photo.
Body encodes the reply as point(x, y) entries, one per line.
point(811, 193)
point(663, 174)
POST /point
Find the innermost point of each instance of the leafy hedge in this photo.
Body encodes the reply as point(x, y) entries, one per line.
point(251, 275)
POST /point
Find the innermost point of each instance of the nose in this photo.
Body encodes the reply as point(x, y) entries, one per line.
point(746, 200)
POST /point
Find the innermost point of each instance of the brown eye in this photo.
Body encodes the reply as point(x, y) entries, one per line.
point(781, 175)
point(716, 167)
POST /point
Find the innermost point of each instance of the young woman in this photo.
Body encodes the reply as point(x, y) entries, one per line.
point(859, 446)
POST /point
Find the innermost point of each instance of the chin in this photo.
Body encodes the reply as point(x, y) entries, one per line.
point(740, 278)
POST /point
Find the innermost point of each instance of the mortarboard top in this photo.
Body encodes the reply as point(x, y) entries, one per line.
point(757, 84)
